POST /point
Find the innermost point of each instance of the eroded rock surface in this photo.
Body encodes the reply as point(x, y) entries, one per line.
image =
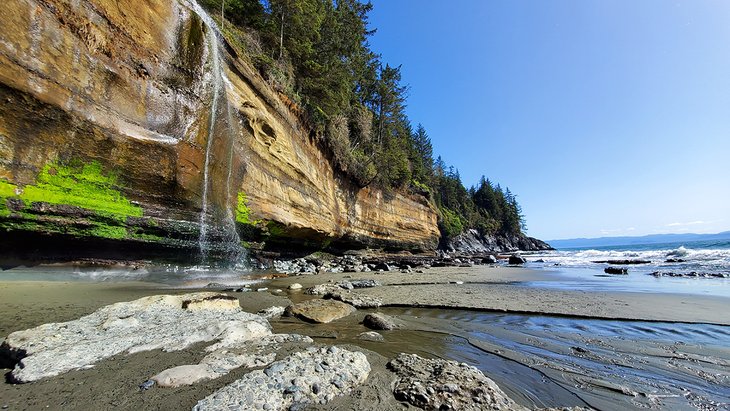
point(314, 376)
point(167, 322)
point(448, 385)
point(241, 353)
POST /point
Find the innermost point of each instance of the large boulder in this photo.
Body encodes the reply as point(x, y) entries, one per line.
point(319, 311)
point(516, 260)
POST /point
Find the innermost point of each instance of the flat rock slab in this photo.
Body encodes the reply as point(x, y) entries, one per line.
point(442, 384)
point(319, 311)
point(314, 376)
point(167, 322)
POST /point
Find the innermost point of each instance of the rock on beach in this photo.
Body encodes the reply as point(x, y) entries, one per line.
point(449, 385)
point(167, 322)
point(319, 311)
point(378, 321)
point(314, 376)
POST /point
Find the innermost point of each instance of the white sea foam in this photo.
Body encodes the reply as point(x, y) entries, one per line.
point(693, 259)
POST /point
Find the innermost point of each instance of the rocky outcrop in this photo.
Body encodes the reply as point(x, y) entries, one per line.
point(143, 106)
point(166, 322)
point(471, 242)
point(311, 377)
point(690, 274)
point(446, 385)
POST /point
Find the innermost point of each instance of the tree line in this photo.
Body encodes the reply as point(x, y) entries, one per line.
point(316, 52)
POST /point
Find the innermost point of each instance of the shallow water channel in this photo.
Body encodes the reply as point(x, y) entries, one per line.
point(549, 361)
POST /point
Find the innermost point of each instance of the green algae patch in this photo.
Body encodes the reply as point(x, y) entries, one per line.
point(76, 199)
point(80, 185)
point(7, 190)
point(243, 213)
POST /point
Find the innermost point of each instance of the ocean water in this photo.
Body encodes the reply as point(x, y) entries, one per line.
point(577, 268)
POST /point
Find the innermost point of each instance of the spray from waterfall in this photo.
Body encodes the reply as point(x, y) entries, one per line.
point(217, 234)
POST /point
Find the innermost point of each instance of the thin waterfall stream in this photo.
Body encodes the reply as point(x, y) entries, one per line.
point(212, 229)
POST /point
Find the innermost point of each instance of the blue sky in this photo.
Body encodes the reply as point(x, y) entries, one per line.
point(604, 117)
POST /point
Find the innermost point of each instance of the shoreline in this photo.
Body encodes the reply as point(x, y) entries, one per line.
point(464, 328)
point(484, 289)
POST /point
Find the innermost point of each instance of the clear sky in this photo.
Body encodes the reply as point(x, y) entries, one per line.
point(604, 117)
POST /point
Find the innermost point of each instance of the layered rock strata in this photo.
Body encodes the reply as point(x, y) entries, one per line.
point(144, 104)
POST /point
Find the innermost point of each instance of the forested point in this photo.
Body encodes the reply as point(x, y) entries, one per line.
point(316, 52)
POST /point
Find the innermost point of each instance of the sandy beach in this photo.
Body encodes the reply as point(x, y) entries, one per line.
point(446, 312)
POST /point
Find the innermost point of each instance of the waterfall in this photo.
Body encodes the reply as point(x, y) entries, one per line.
point(217, 235)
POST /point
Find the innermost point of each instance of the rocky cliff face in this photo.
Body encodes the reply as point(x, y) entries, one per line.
point(472, 243)
point(130, 122)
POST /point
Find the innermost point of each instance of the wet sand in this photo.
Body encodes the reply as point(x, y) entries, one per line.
point(537, 367)
point(504, 289)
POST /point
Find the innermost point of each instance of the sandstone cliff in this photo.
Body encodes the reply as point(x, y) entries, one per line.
point(131, 125)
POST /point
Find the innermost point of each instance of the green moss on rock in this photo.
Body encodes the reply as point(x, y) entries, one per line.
point(243, 213)
point(80, 185)
point(101, 210)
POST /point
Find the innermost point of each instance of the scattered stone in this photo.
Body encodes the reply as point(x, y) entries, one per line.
point(371, 336)
point(334, 288)
point(272, 312)
point(295, 286)
point(691, 274)
point(675, 260)
point(445, 385)
point(262, 289)
point(539, 260)
point(319, 311)
point(377, 321)
point(296, 381)
point(167, 322)
point(323, 289)
point(381, 267)
point(516, 260)
point(616, 270)
point(365, 283)
point(579, 350)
